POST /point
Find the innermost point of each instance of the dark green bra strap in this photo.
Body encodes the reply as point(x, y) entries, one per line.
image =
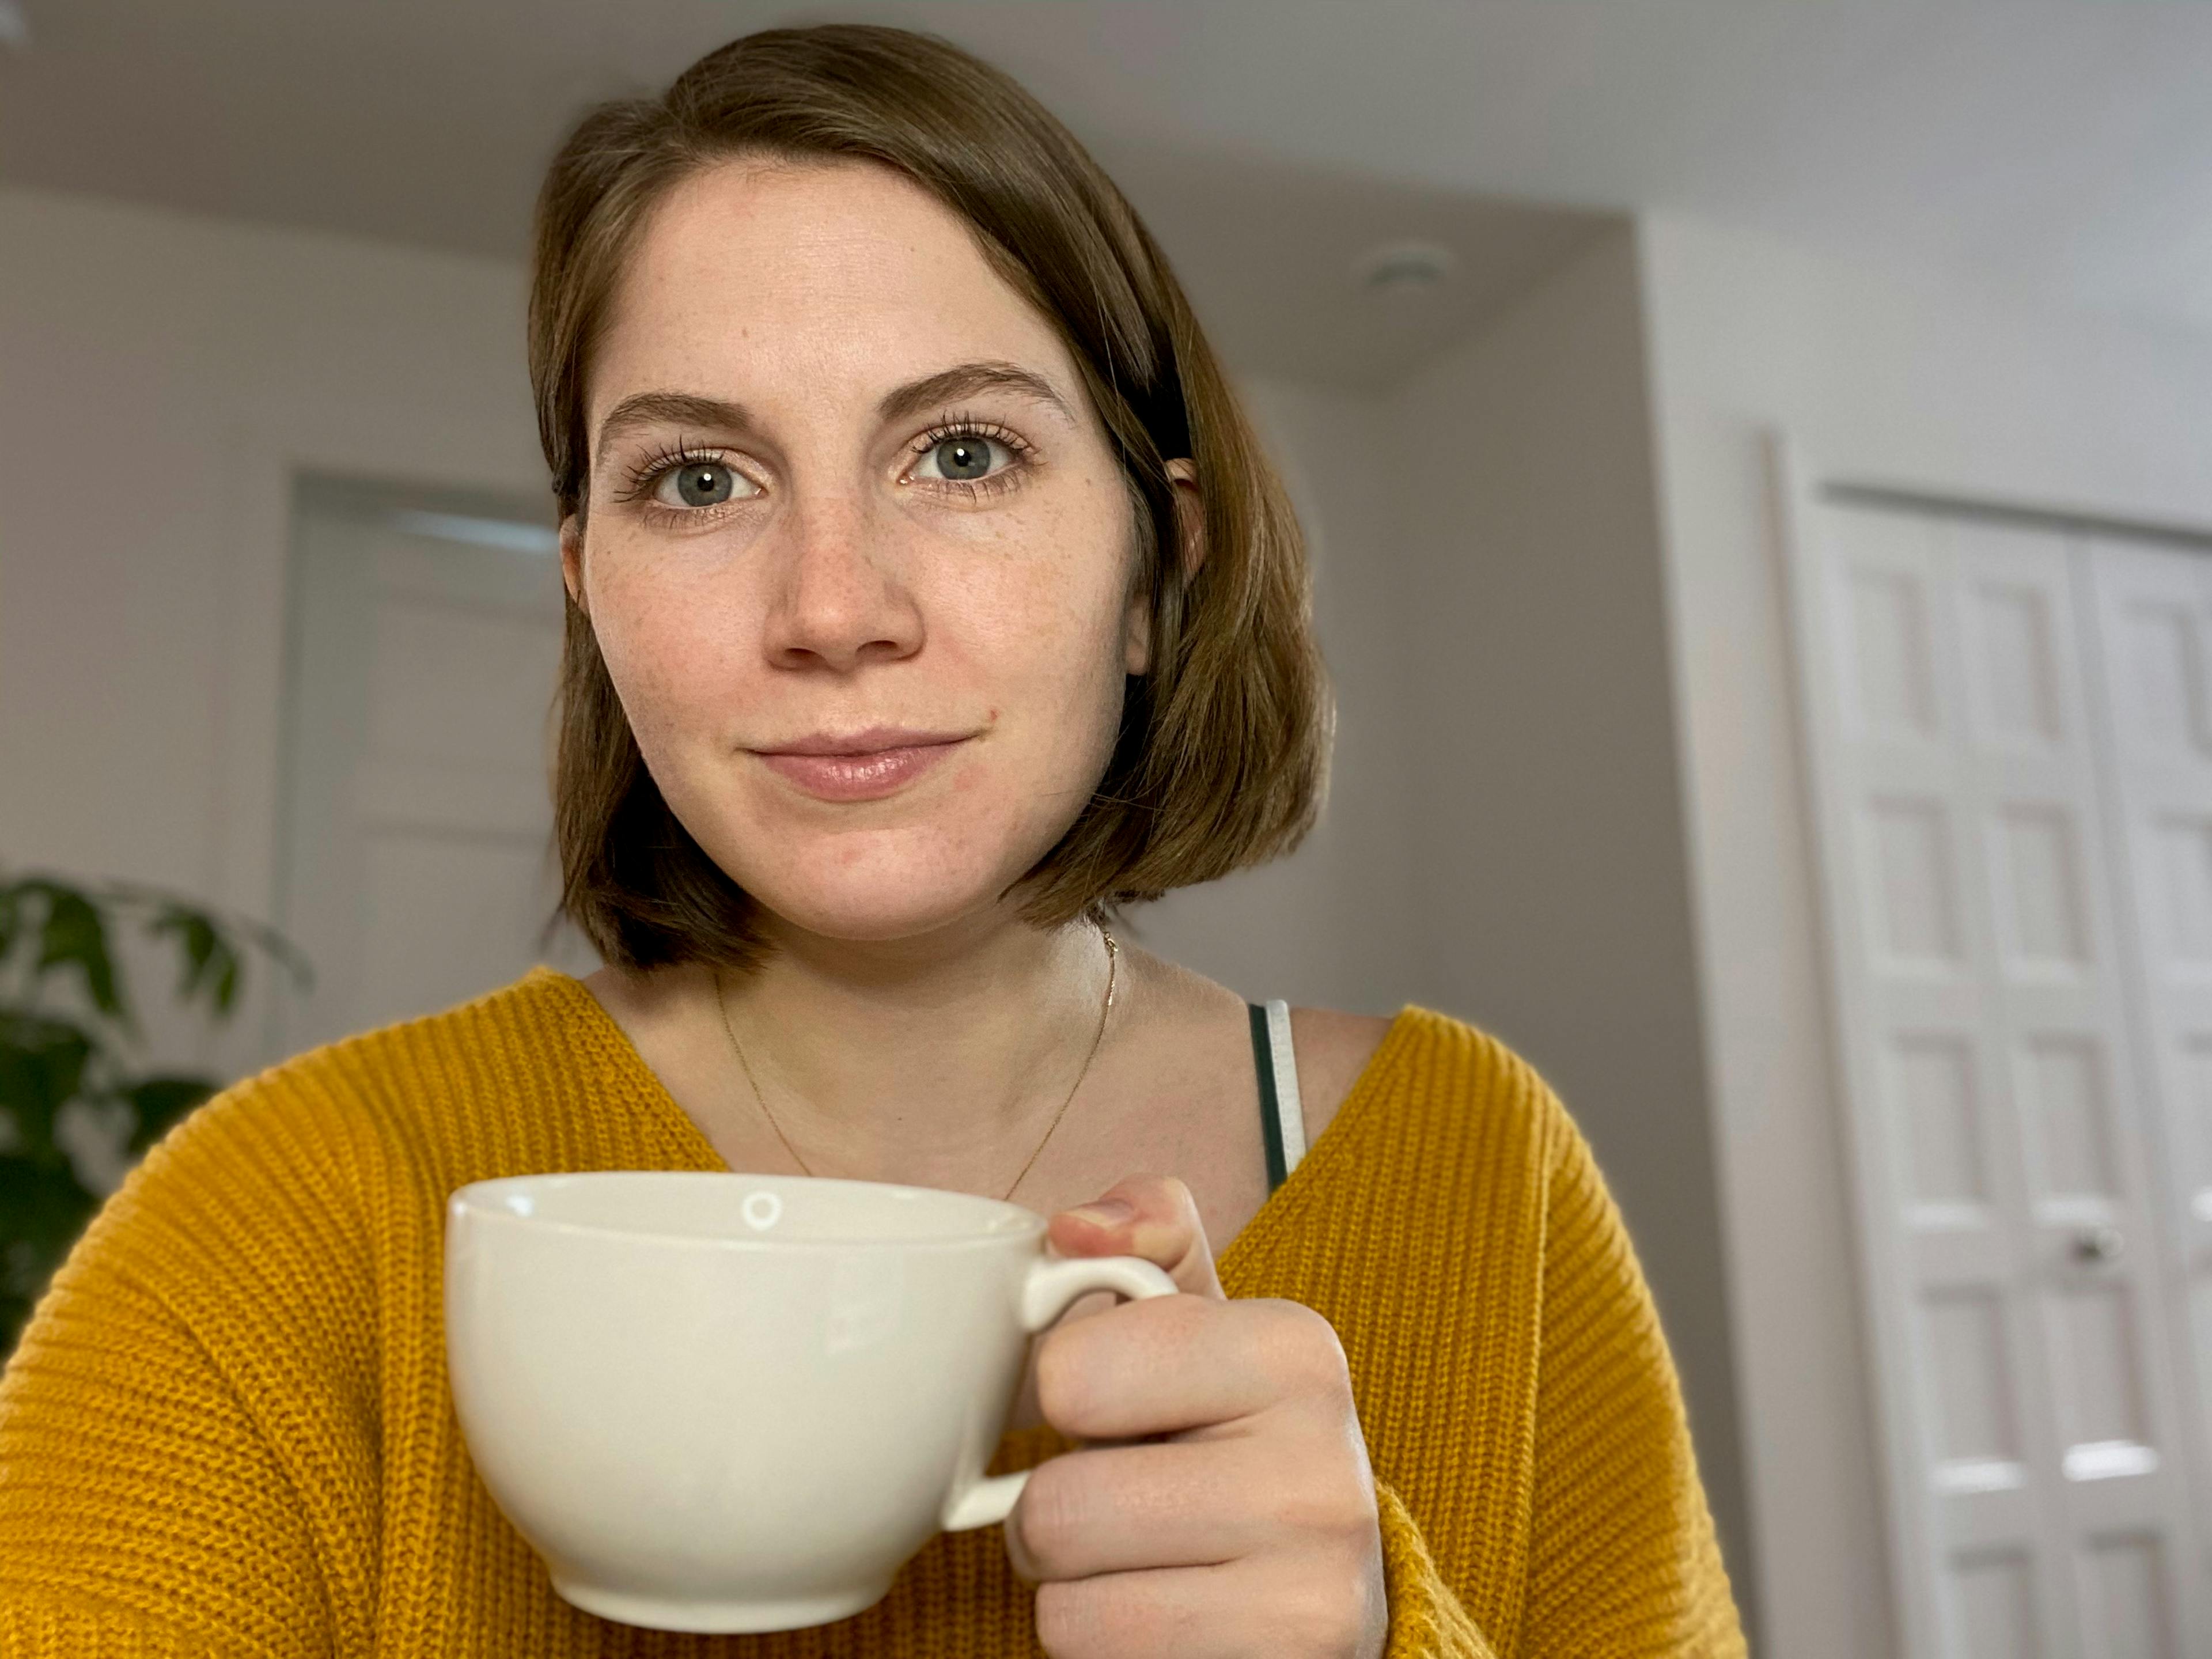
point(1271, 1117)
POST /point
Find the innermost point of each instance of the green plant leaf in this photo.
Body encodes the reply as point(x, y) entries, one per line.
point(207, 961)
point(42, 1069)
point(197, 939)
point(11, 915)
point(49, 1057)
point(156, 1103)
point(75, 935)
point(46, 1208)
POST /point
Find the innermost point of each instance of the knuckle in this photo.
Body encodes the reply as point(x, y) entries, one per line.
point(1110, 1616)
point(1306, 1348)
point(1057, 1624)
point(1066, 1394)
point(1073, 1621)
point(1329, 1507)
point(1050, 1516)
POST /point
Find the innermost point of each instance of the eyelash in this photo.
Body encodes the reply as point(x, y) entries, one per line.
point(962, 426)
point(647, 472)
point(645, 476)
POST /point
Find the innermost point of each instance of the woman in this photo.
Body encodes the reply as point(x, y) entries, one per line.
point(930, 601)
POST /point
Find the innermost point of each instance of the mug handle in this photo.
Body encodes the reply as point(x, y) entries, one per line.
point(1053, 1285)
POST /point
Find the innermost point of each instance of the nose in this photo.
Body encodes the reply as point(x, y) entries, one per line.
point(840, 600)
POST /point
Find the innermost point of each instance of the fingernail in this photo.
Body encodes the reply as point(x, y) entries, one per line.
point(1106, 1212)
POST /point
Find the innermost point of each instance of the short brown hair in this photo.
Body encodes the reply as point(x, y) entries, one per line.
point(1223, 747)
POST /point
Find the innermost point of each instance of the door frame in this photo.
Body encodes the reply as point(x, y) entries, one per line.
point(1905, 1515)
point(269, 455)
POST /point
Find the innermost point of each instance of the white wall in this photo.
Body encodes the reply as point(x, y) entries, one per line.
point(1883, 377)
point(1335, 926)
point(1548, 844)
point(161, 377)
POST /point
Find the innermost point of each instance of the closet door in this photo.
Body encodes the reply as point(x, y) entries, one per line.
point(2154, 647)
point(2015, 1302)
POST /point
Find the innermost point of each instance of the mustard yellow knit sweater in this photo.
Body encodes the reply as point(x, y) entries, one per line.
point(227, 1431)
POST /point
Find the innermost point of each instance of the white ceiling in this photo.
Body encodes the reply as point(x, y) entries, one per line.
point(2064, 149)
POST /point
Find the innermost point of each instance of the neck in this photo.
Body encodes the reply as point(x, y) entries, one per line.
point(940, 1060)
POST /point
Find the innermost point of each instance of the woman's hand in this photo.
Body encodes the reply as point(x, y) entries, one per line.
point(1229, 1509)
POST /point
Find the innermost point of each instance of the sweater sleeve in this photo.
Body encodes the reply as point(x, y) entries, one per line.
point(36, 1626)
point(1623, 1560)
point(181, 1386)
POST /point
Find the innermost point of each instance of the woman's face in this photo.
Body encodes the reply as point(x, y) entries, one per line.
point(856, 551)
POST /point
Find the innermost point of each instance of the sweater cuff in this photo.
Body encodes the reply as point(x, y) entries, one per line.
point(1426, 1618)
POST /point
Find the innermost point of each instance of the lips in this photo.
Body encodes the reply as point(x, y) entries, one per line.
point(859, 765)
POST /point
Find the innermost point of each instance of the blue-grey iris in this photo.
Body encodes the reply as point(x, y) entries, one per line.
point(703, 484)
point(963, 458)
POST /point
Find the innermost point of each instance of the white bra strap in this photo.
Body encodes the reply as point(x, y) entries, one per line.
point(1290, 1114)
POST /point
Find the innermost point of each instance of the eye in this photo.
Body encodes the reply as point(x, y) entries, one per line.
point(700, 483)
point(964, 458)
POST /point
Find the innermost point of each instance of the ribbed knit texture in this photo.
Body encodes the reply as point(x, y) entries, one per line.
point(226, 1429)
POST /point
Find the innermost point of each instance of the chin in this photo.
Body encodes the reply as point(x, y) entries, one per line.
point(882, 892)
point(865, 913)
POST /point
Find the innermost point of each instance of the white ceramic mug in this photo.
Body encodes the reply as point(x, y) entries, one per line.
point(724, 1402)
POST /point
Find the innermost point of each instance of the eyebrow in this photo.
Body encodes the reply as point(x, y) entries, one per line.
point(643, 409)
point(964, 380)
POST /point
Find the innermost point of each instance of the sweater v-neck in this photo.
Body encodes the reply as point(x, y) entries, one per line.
point(1335, 1146)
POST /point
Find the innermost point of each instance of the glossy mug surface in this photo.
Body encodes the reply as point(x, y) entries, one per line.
point(728, 1402)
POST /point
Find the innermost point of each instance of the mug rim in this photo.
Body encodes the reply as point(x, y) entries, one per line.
point(477, 1200)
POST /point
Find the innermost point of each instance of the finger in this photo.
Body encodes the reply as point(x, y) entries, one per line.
point(1189, 1504)
point(1153, 1217)
point(1291, 1605)
point(1178, 1364)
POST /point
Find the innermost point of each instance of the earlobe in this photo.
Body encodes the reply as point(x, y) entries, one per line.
point(572, 558)
point(1137, 634)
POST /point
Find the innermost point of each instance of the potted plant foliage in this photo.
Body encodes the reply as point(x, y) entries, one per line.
point(67, 1037)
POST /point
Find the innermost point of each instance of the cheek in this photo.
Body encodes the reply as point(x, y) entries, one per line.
point(1045, 634)
point(665, 643)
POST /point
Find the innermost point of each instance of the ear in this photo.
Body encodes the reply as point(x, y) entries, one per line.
point(1190, 514)
point(1190, 535)
point(572, 558)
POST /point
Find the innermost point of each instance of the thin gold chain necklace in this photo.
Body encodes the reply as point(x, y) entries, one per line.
point(1105, 1008)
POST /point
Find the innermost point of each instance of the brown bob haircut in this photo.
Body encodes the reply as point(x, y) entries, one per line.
point(1223, 748)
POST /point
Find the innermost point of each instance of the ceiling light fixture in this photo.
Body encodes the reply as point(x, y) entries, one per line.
point(1406, 267)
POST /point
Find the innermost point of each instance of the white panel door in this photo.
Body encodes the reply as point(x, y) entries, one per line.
point(2038, 1489)
point(417, 870)
point(2154, 639)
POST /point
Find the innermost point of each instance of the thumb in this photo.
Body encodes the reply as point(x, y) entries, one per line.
point(1153, 1217)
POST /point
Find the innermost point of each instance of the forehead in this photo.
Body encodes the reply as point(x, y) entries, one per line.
point(813, 279)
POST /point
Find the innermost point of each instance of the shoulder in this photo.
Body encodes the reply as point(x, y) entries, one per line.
point(543, 1013)
point(1452, 1078)
point(277, 1183)
point(1332, 1049)
point(362, 1112)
